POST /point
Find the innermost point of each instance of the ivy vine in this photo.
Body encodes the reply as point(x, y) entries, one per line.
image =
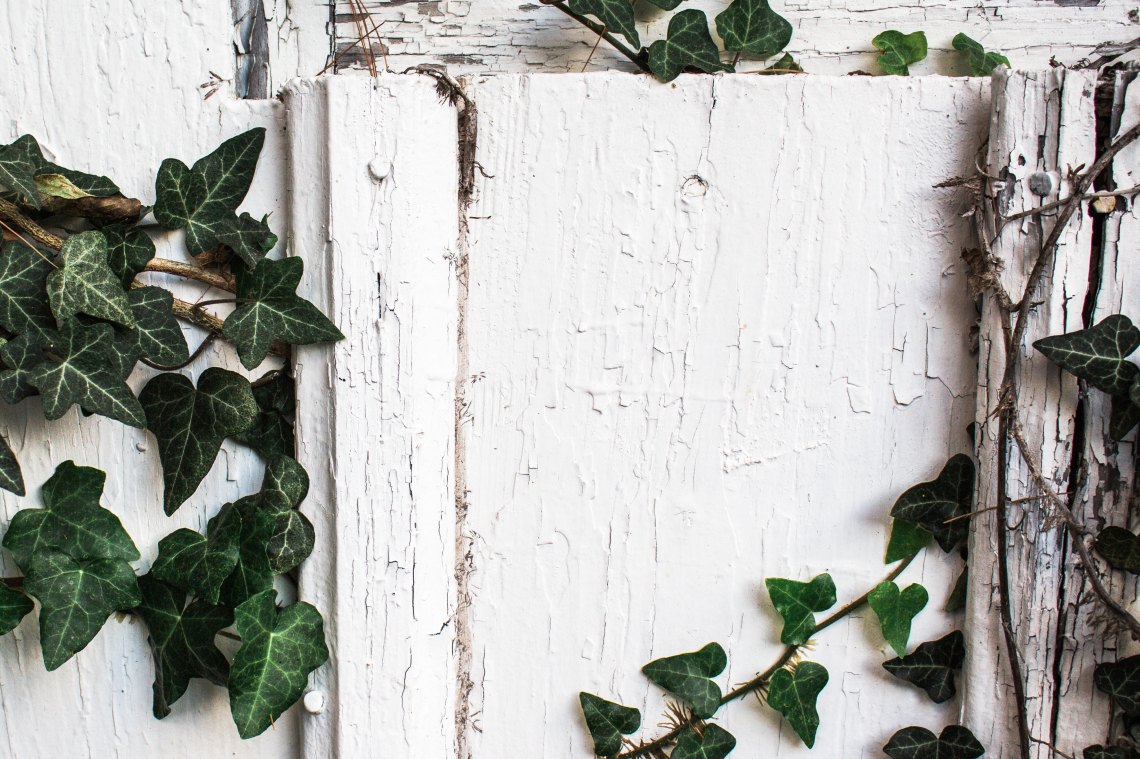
point(77, 317)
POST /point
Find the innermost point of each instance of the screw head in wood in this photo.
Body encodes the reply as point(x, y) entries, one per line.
point(314, 702)
point(1041, 183)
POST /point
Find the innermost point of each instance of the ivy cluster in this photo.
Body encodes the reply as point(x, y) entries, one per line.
point(746, 28)
point(76, 319)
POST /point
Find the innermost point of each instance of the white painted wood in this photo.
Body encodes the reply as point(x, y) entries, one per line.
point(831, 36)
point(373, 172)
point(714, 330)
point(1042, 121)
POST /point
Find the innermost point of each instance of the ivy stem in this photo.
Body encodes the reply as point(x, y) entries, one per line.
point(189, 271)
point(600, 30)
point(761, 680)
point(11, 212)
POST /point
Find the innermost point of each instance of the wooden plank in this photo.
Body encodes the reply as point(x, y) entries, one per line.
point(374, 208)
point(714, 330)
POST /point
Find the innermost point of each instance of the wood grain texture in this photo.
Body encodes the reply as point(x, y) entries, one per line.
point(715, 329)
point(831, 36)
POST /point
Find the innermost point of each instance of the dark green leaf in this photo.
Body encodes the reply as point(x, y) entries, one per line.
point(253, 574)
point(1121, 680)
point(23, 292)
point(957, 599)
point(931, 504)
point(14, 606)
point(615, 15)
point(285, 485)
point(21, 356)
point(751, 26)
point(129, 250)
point(793, 694)
point(895, 610)
point(83, 370)
point(1125, 415)
point(1101, 752)
point(203, 200)
point(11, 478)
point(978, 60)
point(271, 433)
point(249, 238)
point(190, 425)
point(1120, 548)
point(714, 742)
point(796, 601)
point(688, 45)
point(156, 335)
point(907, 539)
point(931, 666)
point(686, 676)
point(291, 543)
point(1097, 354)
point(608, 722)
point(279, 649)
point(76, 597)
point(786, 65)
point(666, 5)
point(85, 283)
point(956, 742)
point(900, 50)
point(181, 641)
point(19, 161)
point(72, 521)
point(290, 536)
point(201, 563)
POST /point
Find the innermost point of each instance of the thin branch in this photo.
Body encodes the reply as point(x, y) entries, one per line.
point(1058, 203)
point(11, 212)
point(600, 30)
point(190, 271)
point(193, 356)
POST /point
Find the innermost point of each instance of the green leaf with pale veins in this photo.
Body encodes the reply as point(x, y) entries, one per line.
point(269, 309)
point(11, 478)
point(76, 597)
point(687, 45)
point(895, 609)
point(957, 599)
point(14, 606)
point(23, 292)
point(687, 676)
point(1120, 548)
point(271, 669)
point(751, 26)
point(129, 250)
point(190, 425)
point(291, 535)
point(931, 666)
point(977, 59)
point(203, 200)
point(72, 521)
point(900, 50)
point(608, 722)
point(907, 539)
point(1124, 416)
point(181, 641)
point(271, 433)
point(714, 742)
point(201, 563)
point(956, 742)
point(82, 369)
point(1102, 752)
point(793, 694)
point(253, 574)
point(156, 335)
point(796, 603)
point(1097, 354)
point(20, 357)
point(786, 65)
point(1121, 681)
point(19, 161)
point(249, 238)
point(949, 496)
point(85, 283)
point(615, 15)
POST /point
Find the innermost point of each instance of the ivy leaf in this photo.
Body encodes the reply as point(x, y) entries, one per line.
point(271, 433)
point(666, 5)
point(76, 597)
point(290, 536)
point(156, 335)
point(72, 521)
point(615, 15)
point(23, 292)
point(957, 599)
point(11, 478)
point(291, 543)
point(1125, 415)
point(279, 649)
point(249, 238)
point(931, 504)
point(269, 309)
point(978, 60)
point(1121, 680)
point(607, 722)
point(686, 676)
point(793, 694)
point(907, 539)
point(181, 641)
point(713, 743)
point(253, 574)
point(58, 186)
point(751, 26)
point(203, 200)
point(190, 425)
point(1120, 548)
point(1097, 354)
point(85, 284)
point(931, 666)
point(21, 356)
point(14, 606)
point(787, 64)
point(688, 45)
point(796, 601)
point(1101, 752)
point(895, 610)
point(956, 742)
point(900, 50)
point(83, 370)
point(18, 164)
point(201, 563)
point(129, 250)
